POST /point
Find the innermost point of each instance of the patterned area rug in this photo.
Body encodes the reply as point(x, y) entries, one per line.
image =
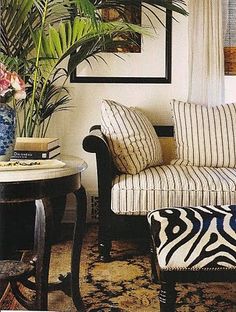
point(124, 284)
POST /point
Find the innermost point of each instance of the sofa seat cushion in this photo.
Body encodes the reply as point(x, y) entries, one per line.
point(194, 238)
point(170, 186)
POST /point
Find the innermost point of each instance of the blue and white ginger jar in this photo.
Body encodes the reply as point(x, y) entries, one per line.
point(7, 131)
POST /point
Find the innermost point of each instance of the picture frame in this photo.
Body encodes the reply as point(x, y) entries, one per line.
point(162, 77)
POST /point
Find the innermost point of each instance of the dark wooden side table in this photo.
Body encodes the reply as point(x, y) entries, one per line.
point(43, 186)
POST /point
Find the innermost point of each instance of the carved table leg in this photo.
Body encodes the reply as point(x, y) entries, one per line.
point(41, 260)
point(58, 207)
point(43, 237)
point(167, 297)
point(79, 229)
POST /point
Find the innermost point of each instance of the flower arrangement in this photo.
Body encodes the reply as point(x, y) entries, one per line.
point(11, 85)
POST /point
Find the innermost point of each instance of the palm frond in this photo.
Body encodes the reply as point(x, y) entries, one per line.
point(61, 43)
point(19, 65)
point(37, 35)
point(14, 25)
point(177, 6)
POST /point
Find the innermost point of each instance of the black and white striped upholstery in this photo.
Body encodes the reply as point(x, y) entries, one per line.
point(155, 187)
point(170, 186)
point(132, 139)
point(192, 244)
point(205, 136)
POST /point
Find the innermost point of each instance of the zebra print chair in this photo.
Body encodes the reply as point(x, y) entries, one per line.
point(192, 244)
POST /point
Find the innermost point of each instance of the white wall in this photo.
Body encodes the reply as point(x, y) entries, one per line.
point(153, 99)
point(230, 89)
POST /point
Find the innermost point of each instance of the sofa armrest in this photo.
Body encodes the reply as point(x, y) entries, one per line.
point(96, 143)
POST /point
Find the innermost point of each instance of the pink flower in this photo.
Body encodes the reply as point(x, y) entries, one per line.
point(2, 70)
point(4, 85)
point(20, 95)
point(11, 84)
point(16, 82)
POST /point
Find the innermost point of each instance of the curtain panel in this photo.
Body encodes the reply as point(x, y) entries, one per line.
point(206, 52)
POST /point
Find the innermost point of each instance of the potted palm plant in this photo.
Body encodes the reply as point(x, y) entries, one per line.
point(38, 35)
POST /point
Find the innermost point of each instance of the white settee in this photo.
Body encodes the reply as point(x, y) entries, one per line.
point(139, 172)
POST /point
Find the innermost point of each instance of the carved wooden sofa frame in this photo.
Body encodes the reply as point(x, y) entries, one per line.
point(95, 142)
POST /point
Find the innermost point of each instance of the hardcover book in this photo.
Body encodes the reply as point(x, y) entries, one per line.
point(36, 154)
point(35, 144)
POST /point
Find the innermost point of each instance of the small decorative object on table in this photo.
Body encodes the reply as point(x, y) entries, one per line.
point(27, 164)
point(12, 88)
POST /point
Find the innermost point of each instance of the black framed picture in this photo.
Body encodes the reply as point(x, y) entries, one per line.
point(150, 64)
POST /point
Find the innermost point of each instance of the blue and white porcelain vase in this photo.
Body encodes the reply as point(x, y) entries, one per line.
point(7, 131)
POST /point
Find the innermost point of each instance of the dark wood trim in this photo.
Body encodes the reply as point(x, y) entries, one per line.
point(78, 234)
point(167, 297)
point(45, 193)
point(204, 275)
point(31, 190)
point(164, 131)
point(152, 80)
point(95, 142)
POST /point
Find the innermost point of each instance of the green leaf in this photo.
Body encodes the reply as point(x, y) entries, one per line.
point(21, 14)
point(76, 26)
point(88, 9)
point(55, 39)
point(62, 32)
point(37, 35)
point(68, 33)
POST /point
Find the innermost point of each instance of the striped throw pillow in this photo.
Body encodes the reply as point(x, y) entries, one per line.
point(205, 136)
point(131, 137)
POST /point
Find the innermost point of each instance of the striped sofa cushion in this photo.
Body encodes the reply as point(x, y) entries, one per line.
point(131, 138)
point(195, 237)
point(205, 136)
point(170, 186)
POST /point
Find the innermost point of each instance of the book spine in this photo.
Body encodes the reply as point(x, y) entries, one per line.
point(30, 155)
point(31, 146)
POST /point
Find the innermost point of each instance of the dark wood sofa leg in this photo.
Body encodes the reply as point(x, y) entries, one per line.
point(167, 297)
point(104, 249)
point(104, 236)
point(154, 275)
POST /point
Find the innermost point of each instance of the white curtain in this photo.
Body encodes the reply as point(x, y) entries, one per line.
point(206, 54)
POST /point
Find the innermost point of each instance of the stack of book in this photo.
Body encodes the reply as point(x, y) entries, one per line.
point(36, 148)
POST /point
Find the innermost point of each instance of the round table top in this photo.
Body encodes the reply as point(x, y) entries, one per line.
point(69, 166)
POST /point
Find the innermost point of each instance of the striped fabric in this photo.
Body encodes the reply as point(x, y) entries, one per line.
point(131, 137)
point(205, 136)
point(170, 186)
point(195, 237)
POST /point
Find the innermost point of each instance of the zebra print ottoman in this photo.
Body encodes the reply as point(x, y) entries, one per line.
point(192, 244)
